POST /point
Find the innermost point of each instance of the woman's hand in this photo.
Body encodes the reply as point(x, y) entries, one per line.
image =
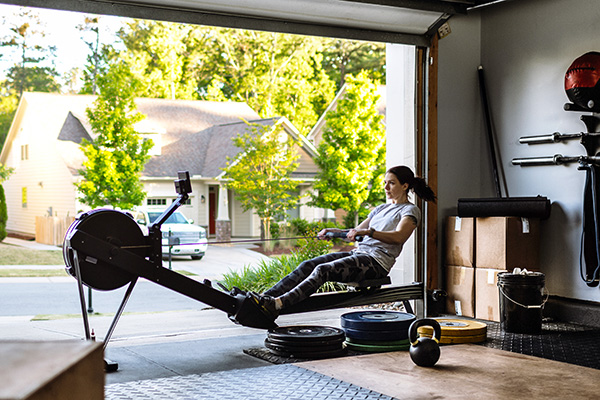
point(353, 233)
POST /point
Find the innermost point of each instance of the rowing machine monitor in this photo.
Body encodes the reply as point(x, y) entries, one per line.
point(183, 185)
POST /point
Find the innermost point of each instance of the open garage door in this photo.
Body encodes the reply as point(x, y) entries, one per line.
point(391, 21)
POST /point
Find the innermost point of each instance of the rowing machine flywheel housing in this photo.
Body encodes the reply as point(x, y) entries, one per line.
point(115, 227)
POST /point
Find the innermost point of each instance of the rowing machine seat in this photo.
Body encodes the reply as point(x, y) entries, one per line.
point(369, 283)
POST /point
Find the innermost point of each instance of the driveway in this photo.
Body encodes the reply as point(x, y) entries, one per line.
point(179, 338)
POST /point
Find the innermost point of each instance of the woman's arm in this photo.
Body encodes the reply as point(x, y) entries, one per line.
point(405, 228)
point(362, 226)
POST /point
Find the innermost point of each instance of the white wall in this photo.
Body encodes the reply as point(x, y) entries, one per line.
point(525, 48)
point(400, 128)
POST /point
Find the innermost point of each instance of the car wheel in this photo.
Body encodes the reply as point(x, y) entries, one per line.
point(197, 257)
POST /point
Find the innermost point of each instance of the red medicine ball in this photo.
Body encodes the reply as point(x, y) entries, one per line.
point(582, 81)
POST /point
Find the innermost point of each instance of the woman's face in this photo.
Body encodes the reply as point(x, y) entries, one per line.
point(394, 190)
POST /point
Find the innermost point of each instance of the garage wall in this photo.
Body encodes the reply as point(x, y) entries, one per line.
point(525, 48)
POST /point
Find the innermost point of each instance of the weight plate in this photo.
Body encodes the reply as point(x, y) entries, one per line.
point(306, 333)
point(379, 342)
point(400, 334)
point(457, 327)
point(376, 348)
point(377, 320)
point(305, 354)
point(302, 348)
point(313, 343)
point(463, 339)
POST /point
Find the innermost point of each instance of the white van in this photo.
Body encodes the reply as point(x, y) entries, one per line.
point(187, 239)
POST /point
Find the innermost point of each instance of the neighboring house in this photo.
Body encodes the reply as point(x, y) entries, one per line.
point(43, 145)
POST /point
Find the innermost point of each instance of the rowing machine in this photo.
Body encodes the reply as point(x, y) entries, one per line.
point(105, 249)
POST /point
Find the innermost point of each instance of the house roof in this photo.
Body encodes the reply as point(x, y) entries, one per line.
point(195, 136)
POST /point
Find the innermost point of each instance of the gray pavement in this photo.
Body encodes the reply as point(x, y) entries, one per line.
point(166, 343)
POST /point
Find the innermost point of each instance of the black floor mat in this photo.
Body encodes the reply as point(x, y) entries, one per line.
point(559, 341)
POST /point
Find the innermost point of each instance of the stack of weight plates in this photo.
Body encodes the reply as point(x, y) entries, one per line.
point(306, 342)
point(377, 331)
point(456, 331)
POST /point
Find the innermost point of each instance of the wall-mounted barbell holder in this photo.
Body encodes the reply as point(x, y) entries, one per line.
point(557, 159)
point(589, 265)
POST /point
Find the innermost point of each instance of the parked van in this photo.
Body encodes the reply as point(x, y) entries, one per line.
point(186, 238)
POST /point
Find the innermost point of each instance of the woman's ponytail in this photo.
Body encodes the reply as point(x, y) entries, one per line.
point(422, 189)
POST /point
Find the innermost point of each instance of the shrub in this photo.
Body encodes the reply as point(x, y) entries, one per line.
point(270, 271)
point(3, 214)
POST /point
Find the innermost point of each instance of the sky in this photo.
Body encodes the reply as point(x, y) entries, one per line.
point(61, 31)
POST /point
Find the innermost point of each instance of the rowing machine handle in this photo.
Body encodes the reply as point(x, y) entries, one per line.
point(342, 235)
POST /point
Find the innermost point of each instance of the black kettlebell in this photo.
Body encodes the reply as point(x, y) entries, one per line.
point(424, 351)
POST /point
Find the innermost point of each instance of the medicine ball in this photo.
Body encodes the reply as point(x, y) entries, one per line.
point(582, 81)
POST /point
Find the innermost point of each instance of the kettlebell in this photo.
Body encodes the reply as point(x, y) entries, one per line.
point(424, 351)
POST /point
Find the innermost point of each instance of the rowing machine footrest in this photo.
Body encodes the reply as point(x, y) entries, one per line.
point(249, 314)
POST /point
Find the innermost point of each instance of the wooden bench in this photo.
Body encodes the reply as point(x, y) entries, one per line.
point(65, 370)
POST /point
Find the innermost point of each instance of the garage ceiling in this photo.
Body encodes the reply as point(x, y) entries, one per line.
point(393, 21)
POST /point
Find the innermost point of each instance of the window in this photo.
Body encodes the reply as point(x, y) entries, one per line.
point(188, 202)
point(25, 152)
point(156, 202)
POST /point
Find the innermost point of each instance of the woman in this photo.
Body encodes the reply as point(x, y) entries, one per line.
point(384, 233)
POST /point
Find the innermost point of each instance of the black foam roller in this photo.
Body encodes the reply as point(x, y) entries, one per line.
point(525, 207)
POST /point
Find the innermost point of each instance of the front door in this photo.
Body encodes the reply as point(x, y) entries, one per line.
point(212, 211)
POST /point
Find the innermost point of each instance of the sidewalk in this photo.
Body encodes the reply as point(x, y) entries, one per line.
point(153, 345)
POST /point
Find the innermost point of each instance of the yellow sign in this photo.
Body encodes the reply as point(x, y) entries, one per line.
point(24, 197)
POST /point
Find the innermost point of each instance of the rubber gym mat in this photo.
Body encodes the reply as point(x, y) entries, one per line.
point(559, 341)
point(279, 382)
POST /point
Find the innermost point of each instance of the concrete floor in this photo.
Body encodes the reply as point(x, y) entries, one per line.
point(198, 354)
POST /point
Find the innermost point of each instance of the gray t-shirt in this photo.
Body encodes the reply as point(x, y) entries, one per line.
point(386, 217)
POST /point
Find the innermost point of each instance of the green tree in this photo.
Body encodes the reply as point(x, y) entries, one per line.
point(4, 174)
point(8, 108)
point(25, 46)
point(341, 57)
point(91, 29)
point(275, 74)
point(352, 152)
point(27, 38)
point(261, 174)
point(116, 158)
point(165, 56)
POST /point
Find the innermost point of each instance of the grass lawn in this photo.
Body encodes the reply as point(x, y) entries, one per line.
point(15, 255)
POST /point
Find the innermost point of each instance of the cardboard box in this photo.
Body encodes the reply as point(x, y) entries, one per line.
point(507, 243)
point(460, 288)
point(487, 296)
point(460, 242)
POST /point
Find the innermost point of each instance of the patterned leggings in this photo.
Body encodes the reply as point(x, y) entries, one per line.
point(308, 277)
